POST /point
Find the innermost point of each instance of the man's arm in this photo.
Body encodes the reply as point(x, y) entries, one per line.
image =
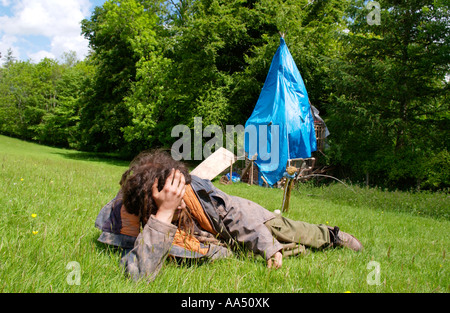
point(153, 245)
point(245, 220)
point(276, 261)
point(150, 249)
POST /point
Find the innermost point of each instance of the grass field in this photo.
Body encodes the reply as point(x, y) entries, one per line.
point(49, 199)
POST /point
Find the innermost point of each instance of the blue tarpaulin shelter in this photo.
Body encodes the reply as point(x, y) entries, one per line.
point(281, 126)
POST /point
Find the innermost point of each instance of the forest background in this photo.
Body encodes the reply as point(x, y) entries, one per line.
point(378, 74)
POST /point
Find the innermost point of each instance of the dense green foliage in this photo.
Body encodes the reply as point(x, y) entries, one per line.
point(156, 64)
point(42, 101)
point(391, 107)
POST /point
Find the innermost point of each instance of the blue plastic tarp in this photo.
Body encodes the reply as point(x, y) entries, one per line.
point(281, 126)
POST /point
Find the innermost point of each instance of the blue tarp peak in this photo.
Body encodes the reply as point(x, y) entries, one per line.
point(281, 126)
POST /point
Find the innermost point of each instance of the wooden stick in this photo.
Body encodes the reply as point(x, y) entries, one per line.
point(251, 174)
point(231, 172)
point(265, 181)
point(247, 167)
point(287, 195)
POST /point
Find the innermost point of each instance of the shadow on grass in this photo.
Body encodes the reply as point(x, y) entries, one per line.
point(106, 158)
point(111, 158)
point(109, 249)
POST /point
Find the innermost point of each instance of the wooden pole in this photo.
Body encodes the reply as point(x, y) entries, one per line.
point(251, 174)
point(287, 194)
point(231, 172)
point(291, 170)
point(248, 166)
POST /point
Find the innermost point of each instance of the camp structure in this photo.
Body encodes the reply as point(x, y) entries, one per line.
point(281, 127)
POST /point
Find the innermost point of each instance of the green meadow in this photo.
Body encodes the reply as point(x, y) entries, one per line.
point(50, 197)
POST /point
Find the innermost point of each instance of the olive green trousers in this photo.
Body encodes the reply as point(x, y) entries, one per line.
point(296, 235)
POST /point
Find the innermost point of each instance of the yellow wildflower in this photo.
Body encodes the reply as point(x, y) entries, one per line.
point(33, 215)
point(35, 232)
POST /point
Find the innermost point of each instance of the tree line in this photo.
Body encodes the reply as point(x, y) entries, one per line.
point(378, 73)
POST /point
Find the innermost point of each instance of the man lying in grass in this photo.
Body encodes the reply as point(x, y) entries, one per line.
point(186, 216)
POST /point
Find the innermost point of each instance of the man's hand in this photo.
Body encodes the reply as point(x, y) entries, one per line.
point(169, 198)
point(275, 261)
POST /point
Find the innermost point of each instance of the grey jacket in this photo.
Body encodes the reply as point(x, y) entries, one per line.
point(237, 221)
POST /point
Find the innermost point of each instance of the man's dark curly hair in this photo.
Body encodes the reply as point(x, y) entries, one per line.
point(138, 180)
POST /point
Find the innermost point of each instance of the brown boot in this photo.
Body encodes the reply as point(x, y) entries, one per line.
point(340, 239)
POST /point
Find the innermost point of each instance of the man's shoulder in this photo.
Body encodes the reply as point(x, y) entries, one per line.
point(200, 183)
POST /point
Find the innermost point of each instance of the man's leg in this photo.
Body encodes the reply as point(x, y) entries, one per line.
point(341, 239)
point(289, 231)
